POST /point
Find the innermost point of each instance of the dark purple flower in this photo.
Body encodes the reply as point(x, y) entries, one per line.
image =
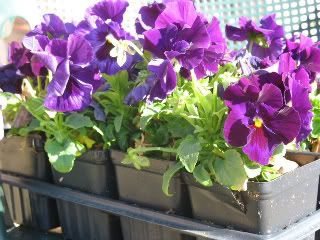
point(162, 81)
point(102, 47)
point(10, 79)
point(24, 60)
point(53, 28)
point(72, 85)
point(261, 122)
point(264, 41)
point(306, 54)
point(214, 53)
point(109, 10)
point(180, 39)
point(148, 16)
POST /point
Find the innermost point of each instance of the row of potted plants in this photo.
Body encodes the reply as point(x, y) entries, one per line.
point(168, 118)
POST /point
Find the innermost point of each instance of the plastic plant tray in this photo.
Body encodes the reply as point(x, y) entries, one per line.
point(299, 230)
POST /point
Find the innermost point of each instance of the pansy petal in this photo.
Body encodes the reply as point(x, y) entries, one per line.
point(53, 26)
point(148, 16)
point(76, 97)
point(271, 96)
point(180, 12)
point(260, 145)
point(286, 63)
point(79, 50)
point(235, 34)
point(197, 35)
point(109, 10)
point(285, 124)
point(60, 79)
point(236, 128)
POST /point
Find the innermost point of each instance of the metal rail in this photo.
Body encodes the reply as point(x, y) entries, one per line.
point(300, 230)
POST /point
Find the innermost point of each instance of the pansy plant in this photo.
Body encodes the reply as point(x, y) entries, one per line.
point(226, 116)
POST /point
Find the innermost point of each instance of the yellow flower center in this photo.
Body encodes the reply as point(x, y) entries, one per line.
point(258, 122)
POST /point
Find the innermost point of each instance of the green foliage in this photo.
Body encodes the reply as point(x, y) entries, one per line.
point(168, 175)
point(77, 121)
point(230, 170)
point(121, 123)
point(188, 152)
point(202, 175)
point(316, 117)
point(68, 136)
point(62, 155)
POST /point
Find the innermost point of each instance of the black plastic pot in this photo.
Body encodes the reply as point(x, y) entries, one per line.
point(92, 173)
point(26, 157)
point(143, 188)
point(265, 208)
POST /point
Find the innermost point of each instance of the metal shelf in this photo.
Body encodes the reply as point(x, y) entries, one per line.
point(299, 230)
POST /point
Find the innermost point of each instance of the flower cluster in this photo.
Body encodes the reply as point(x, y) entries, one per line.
point(174, 86)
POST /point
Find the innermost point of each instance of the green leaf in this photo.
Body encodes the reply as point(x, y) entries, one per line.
point(168, 175)
point(62, 155)
point(36, 108)
point(118, 122)
point(188, 152)
point(122, 139)
point(77, 121)
point(179, 127)
point(33, 126)
point(137, 161)
point(230, 171)
point(202, 176)
point(119, 83)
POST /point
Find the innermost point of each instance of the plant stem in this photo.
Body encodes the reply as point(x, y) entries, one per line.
point(39, 84)
point(250, 46)
point(218, 152)
point(131, 44)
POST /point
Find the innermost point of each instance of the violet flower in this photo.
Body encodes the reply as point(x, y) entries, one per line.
point(264, 41)
point(24, 60)
point(148, 16)
point(53, 28)
point(105, 34)
point(306, 54)
point(73, 79)
point(180, 38)
point(10, 79)
point(162, 81)
point(259, 118)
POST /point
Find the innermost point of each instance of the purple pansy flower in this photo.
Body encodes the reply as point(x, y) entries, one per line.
point(162, 81)
point(53, 28)
point(148, 16)
point(73, 80)
point(10, 79)
point(214, 53)
point(24, 60)
point(179, 37)
point(259, 120)
point(109, 10)
point(102, 47)
point(103, 24)
point(297, 88)
point(305, 53)
point(264, 41)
